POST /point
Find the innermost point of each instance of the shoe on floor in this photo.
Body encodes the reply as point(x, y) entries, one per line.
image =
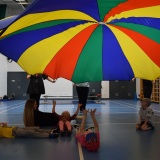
point(53, 135)
point(68, 133)
point(76, 126)
point(56, 130)
point(89, 128)
point(62, 133)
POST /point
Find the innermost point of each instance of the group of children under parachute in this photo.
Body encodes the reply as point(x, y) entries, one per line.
point(88, 138)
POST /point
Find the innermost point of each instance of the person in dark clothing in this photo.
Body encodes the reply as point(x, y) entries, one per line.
point(36, 86)
point(33, 117)
point(147, 88)
point(82, 92)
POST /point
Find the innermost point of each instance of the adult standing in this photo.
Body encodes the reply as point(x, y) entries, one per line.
point(82, 92)
point(36, 86)
point(147, 88)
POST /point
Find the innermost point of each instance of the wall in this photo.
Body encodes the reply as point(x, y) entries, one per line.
point(137, 87)
point(62, 87)
point(3, 79)
point(105, 89)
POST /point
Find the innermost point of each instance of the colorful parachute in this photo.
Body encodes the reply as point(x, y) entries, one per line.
point(86, 40)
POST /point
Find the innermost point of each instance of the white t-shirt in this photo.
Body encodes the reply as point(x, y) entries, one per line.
point(85, 84)
point(148, 112)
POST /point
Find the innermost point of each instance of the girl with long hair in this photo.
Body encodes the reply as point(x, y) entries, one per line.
point(34, 117)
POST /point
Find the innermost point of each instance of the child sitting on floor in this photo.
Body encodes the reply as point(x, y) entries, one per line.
point(27, 132)
point(65, 119)
point(146, 115)
point(89, 138)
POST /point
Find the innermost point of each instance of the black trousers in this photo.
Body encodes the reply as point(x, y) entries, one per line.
point(36, 97)
point(147, 91)
point(82, 93)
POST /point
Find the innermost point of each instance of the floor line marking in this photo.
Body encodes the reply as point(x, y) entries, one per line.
point(13, 104)
point(10, 109)
point(125, 104)
point(80, 152)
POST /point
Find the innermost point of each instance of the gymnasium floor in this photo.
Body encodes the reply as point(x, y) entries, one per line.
point(119, 139)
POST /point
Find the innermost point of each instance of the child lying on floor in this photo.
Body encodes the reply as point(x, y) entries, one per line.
point(27, 132)
point(64, 123)
point(89, 138)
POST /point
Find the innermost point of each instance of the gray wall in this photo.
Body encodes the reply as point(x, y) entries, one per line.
point(17, 84)
point(122, 89)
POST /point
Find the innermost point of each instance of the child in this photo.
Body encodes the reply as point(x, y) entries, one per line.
point(146, 115)
point(27, 132)
point(65, 119)
point(90, 139)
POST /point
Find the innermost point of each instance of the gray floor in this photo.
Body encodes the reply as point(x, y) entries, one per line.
point(119, 139)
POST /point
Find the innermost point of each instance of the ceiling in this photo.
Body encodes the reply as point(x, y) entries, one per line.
point(22, 3)
point(15, 7)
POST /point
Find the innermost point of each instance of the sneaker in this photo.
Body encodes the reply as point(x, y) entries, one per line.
point(68, 133)
point(53, 135)
point(152, 128)
point(89, 128)
point(55, 130)
point(62, 134)
point(76, 126)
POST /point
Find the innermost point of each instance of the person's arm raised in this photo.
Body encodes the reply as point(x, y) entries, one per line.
point(54, 106)
point(78, 108)
point(96, 126)
point(82, 126)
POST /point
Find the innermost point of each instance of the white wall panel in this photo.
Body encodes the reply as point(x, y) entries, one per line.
point(3, 72)
point(105, 89)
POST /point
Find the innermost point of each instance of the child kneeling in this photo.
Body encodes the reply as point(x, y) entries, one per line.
point(146, 116)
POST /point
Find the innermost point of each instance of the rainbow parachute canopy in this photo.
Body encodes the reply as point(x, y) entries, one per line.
point(86, 40)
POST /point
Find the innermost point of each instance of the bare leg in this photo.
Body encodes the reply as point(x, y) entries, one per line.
point(68, 125)
point(61, 126)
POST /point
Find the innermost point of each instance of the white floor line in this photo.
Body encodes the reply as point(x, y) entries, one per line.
point(14, 104)
point(10, 109)
point(80, 152)
point(124, 104)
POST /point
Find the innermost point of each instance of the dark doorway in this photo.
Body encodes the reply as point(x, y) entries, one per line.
point(122, 89)
point(17, 84)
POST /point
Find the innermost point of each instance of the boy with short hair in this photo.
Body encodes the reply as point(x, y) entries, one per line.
point(146, 115)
